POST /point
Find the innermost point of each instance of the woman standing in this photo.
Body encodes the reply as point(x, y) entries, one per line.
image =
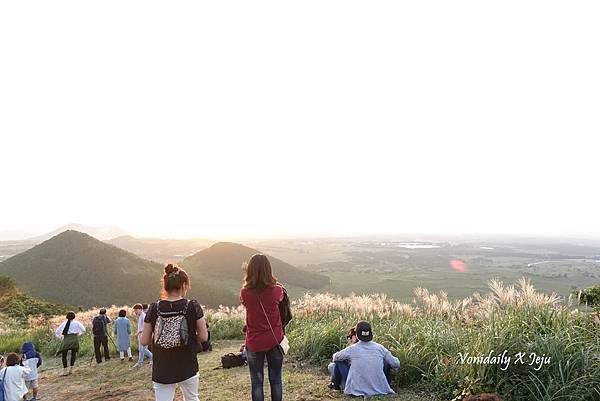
point(261, 296)
point(175, 326)
point(123, 333)
point(69, 332)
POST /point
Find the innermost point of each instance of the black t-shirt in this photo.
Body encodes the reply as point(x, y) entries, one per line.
point(176, 364)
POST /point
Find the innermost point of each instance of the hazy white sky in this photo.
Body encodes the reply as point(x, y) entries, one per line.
point(313, 117)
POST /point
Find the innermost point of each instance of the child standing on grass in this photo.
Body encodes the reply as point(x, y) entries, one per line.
point(32, 360)
point(13, 376)
point(123, 333)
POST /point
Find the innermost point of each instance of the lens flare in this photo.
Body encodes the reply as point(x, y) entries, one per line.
point(458, 265)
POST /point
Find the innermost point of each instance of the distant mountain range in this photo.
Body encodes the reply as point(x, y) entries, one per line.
point(13, 242)
point(100, 232)
point(73, 268)
point(159, 249)
point(15, 235)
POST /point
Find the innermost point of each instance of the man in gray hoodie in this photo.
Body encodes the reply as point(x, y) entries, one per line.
point(367, 360)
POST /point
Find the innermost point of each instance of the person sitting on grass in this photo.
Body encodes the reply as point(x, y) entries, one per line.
point(367, 359)
point(33, 360)
point(123, 333)
point(339, 370)
point(13, 376)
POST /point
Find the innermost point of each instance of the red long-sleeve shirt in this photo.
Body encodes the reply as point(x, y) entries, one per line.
point(259, 337)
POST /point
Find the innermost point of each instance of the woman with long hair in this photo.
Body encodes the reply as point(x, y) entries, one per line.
point(261, 295)
point(175, 326)
point(69, 331)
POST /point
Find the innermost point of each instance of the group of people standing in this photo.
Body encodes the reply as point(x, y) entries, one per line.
point(175, 327)
point(122, 331)
point(70, 330)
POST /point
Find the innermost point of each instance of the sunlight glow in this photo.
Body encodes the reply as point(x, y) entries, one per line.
point(312, 118)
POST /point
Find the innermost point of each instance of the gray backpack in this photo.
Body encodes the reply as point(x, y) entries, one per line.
point(171, 328)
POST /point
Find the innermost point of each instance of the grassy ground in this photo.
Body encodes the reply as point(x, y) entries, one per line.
point(116, 381)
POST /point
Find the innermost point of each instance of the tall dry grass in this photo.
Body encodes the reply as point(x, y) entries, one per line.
point(427, 335)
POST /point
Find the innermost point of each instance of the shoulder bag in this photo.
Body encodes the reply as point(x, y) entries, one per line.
point(284, 345)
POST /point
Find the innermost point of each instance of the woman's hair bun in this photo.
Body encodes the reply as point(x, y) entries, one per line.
point(174, 278)
point(171, 269)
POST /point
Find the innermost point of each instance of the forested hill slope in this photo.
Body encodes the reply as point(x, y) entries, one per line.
point(76, 269)
point(223, 261)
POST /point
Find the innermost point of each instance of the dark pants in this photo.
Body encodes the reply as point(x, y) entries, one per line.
point(101, 341)
point(73, 357)
point(340, 374)
point(256, 363)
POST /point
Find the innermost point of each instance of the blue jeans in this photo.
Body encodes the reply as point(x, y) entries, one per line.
point(142, 350)
point(340, 374)
point(256, 363)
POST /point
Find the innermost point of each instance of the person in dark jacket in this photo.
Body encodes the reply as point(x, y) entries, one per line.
point(33, 360)
point(100, 330)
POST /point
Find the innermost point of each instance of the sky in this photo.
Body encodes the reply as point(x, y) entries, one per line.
point(273, 118)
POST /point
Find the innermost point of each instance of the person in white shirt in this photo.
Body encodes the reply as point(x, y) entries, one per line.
point(138, 309)
point(13, 376)
point(69, 332)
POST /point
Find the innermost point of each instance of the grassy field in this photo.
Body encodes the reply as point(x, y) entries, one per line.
point(428, 335)
point(116, 381)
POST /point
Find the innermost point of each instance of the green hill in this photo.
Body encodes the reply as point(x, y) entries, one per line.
point(223, 261)
point(74, 268)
